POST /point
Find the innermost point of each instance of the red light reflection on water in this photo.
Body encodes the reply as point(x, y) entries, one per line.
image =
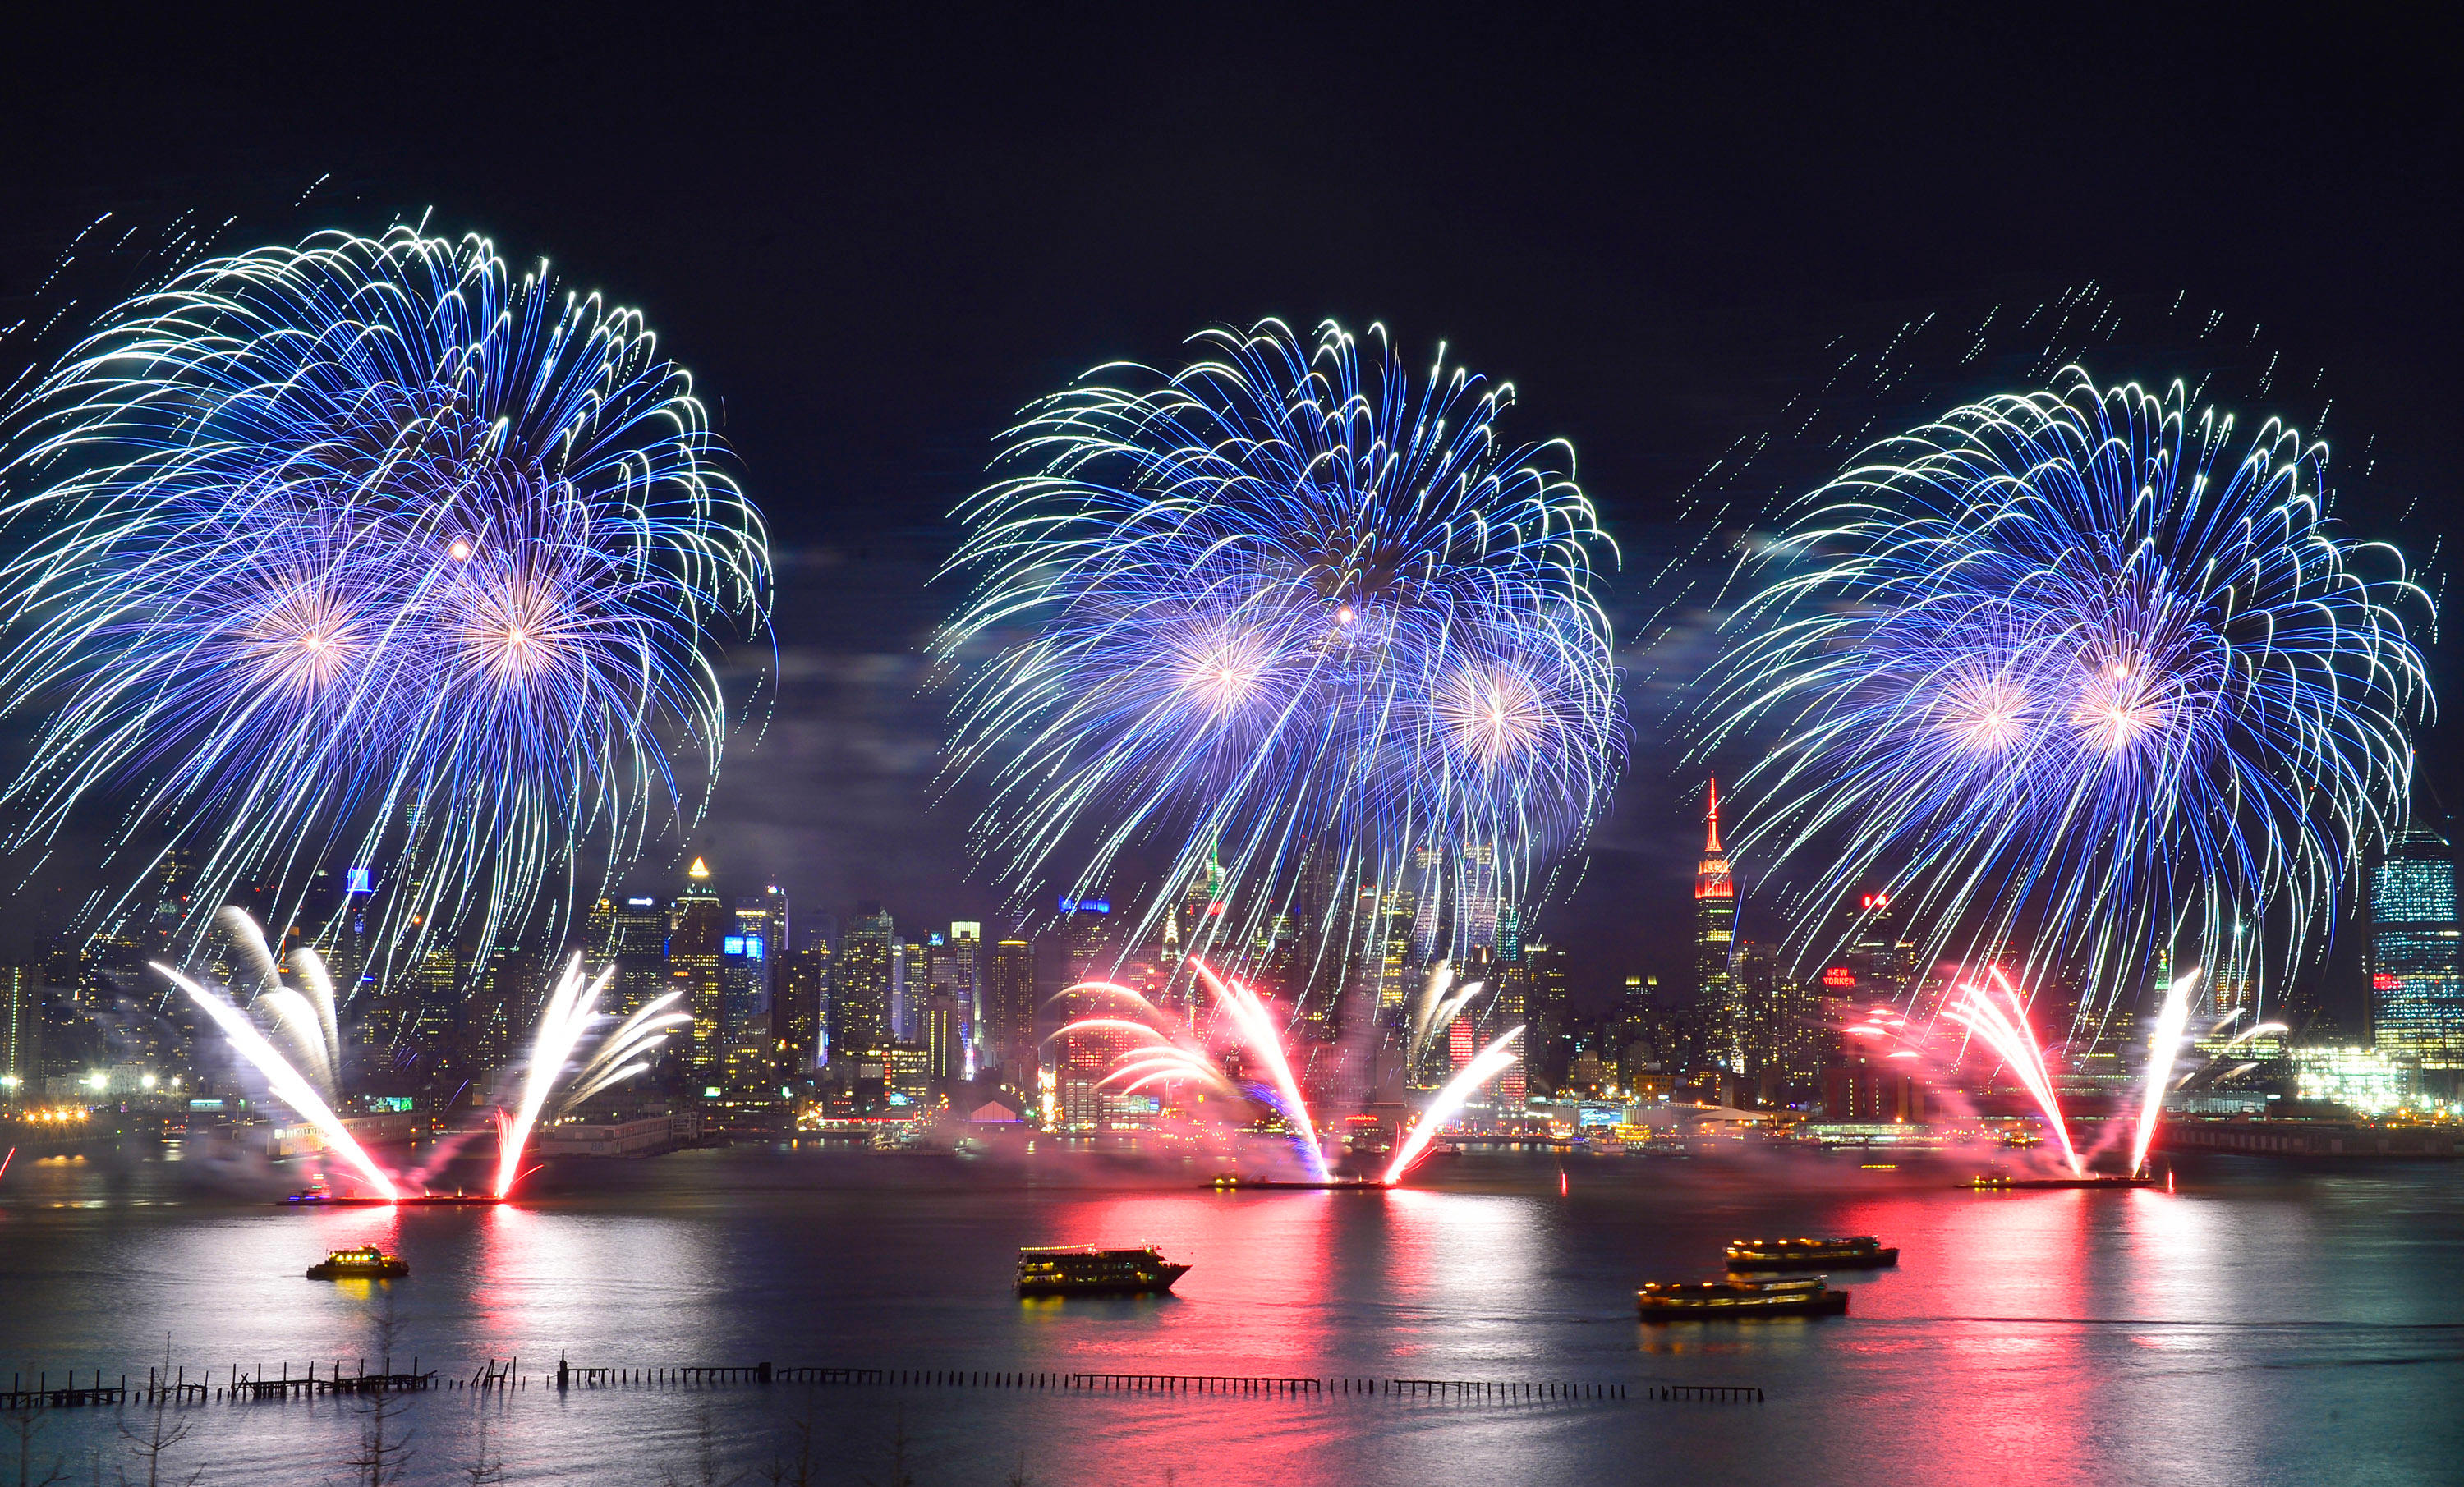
point(1311, 1284)
point(1991, 1342)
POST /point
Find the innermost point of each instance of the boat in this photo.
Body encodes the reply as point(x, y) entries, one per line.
point(1677, 1301)
point(1991, 1184)
point(1861, 1252)
point(1084, 1270)
point(308, 1198)
point(367, 1262)
point(1233, 1182)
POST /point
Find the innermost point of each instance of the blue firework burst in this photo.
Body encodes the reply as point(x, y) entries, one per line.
point(2082, 668)
point(372, 549)
point(1285, 602)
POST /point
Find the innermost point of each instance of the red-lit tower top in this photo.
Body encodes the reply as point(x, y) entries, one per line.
point(1711, 879)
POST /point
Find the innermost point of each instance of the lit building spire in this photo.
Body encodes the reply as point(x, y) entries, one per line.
point(1718, 994)
point(1711, 879)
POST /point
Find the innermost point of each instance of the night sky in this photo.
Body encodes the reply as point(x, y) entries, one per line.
point(873, 241)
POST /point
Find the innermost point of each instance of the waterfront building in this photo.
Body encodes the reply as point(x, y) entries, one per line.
point(907, 1072)
point(1716, 992)
point(2416, 984)
point(697, 939)
point(2368, 1080)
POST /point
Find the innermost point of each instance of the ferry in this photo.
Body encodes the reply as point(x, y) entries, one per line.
point(1671, 1301)
point(1861, 1252)
point(367, 1262)
point(1084, 1270)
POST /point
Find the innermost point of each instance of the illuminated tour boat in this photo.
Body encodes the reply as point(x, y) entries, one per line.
point(1863, 1252)
point(1673, 1300)
point(1084, 1270)
point(367, 1262)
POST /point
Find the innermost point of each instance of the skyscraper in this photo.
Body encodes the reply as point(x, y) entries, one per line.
point(1782, 1039)
point(637, 944)
point(21, 1033)
point(1009, 1009)
point(799, 1010)
point(860, 985)
point(1715, 926)
point(499, 1006)
point(744, 975)
point(1547, 1047)
point(955, 973)
point(599, 931)
point(1879, 959)
point(435, 988)
point(905, 999)
point(2416, 988)
point(696, 938)
point(1082, 944)
point(1476, 903)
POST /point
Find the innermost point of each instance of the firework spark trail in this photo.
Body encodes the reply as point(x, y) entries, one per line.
point(371, 549)
point(289, 1085)
point(1159, 1058)
point(1441, 1000)
point(1259, 1035)
point(2079, 670)
point(571, 1011)
point(1484, 1065)
point(2005, 1030)
point(1159, 1062)
point(1280, 607)
point(2163, 1046)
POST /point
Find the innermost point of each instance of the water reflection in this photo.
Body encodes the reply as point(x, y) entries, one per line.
point(2059, 1336)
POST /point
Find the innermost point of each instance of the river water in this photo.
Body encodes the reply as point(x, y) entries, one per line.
point(2261, 1325)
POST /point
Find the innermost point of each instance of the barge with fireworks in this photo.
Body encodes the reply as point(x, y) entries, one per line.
point(367, 1262)
point(1992, 1184)
point(1677, 1301)
point(1231, 1182)
point(313, 1199)
point(1084, 1270)
point(1860, 1251)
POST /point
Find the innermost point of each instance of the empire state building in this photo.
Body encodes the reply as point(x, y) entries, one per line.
point(1718, 997)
